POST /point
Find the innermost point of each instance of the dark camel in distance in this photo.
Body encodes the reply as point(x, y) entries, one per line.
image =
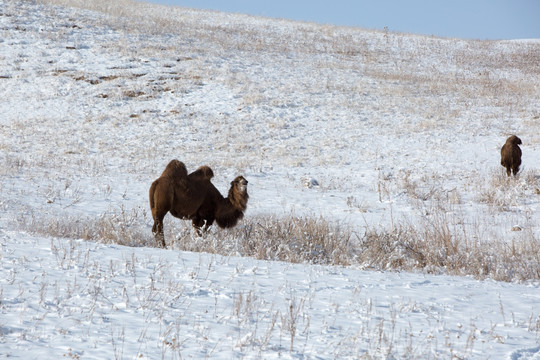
point(511, 155)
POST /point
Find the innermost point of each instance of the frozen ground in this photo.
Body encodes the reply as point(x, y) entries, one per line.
point(394, 128)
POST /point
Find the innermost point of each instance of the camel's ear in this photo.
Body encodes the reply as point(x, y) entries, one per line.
point(514, 139)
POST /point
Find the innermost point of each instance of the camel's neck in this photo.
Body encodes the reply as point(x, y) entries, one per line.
point(238, 201)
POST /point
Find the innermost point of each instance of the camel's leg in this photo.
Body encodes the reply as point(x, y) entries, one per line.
point(515, 169)
point(160, 239)
point(157, 230)
point(161, 200)
point(209, 223)
point(197, 225)
point(508, 171)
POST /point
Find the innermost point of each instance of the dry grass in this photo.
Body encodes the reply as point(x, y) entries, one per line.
point(438, 247)
point(438, 244)
point(475, 70)
point(120, 227)
point(503, 193)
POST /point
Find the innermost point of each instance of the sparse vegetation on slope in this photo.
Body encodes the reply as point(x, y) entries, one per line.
point(381, 118)
point(364, 150)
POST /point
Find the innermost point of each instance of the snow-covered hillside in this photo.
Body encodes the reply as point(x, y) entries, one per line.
point(377, 131)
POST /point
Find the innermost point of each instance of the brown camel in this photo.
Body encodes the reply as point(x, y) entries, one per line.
point(194, 197)
point(511, 155)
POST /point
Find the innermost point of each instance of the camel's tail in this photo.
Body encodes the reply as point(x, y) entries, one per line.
point(151, 194)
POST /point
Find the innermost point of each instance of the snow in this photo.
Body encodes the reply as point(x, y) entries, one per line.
point(365, 128)
point(104, 301)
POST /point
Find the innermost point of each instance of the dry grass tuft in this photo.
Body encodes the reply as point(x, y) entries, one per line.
point(437, 246)
point(501, 192)
point(292, 239)
point(120, 227)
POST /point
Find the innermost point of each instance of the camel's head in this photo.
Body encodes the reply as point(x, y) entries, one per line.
point(240, 183)
point(514, 140)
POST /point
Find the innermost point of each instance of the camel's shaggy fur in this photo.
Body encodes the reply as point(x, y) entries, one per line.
point(511, 155)
point(194, 197)
point(225, 211)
